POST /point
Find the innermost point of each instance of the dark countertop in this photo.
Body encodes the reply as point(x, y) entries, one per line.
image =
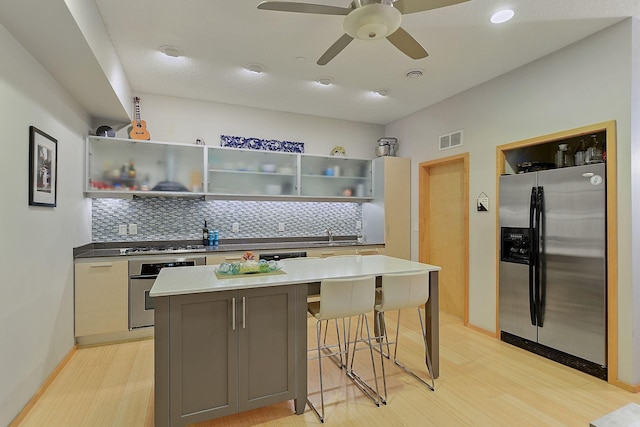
point(113, 249)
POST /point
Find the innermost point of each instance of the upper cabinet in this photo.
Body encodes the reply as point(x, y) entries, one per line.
point(232, 171)
point(567, 151)
point(123, 167)
point(335, 177)
point(117, 167)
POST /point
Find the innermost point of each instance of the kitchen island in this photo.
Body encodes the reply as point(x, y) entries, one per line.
point(227, 345)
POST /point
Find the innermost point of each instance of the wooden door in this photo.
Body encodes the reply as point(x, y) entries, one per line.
point(444, 229)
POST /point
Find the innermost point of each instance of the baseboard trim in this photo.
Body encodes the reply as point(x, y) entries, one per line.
point(628, 387)
point(45, 385)
point(481, 330)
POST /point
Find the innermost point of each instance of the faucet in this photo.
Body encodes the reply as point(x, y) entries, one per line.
point(330, 234)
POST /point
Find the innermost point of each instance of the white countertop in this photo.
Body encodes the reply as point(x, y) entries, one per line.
point(192, 280)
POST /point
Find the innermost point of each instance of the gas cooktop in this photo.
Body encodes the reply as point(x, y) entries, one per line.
point(162, 249)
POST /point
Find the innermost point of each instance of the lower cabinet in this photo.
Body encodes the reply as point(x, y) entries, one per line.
point(220, 353)
point(101, 298)
point(227, 257)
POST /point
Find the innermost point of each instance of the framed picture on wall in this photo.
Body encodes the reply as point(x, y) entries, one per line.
point(43, 168)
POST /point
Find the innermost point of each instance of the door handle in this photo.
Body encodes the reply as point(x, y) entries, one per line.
point(233, 314)
point(101, 265)
point(541, 260)
point(532, 253)
point(244, 312)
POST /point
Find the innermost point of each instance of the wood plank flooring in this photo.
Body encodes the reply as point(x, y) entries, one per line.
point(483, 382)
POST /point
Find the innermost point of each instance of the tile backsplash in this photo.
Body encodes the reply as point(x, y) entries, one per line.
point(169, 218)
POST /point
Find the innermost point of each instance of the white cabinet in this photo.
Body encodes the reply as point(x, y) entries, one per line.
point(233, 171)
point(117, 167)
point(335, 177)
point(122, 167)
point(101, 298)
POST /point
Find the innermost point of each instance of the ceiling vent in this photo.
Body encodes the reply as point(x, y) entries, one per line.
point(451, 140)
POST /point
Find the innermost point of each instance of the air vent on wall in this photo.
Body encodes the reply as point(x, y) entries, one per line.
point(451, 140)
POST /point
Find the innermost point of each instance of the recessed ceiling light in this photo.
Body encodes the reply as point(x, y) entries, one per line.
point(326, 81)
point(502, 16)
point(381, 92)
point(171, 51)
point(415, 73)
point(254, 67)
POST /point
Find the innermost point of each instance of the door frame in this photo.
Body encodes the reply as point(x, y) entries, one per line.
point(424, 215)
point(612, 229)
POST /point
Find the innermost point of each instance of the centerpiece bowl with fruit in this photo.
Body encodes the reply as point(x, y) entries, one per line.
point(249, 265)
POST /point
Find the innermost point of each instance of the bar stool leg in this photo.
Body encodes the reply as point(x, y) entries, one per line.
point(426, 349)
point(311, 405)
point(373, 394)
point(379, 319)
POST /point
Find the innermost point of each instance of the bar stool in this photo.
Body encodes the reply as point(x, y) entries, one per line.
point(340, 299)
point(400, 291)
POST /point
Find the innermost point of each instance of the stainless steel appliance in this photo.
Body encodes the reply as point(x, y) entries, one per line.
point(282, 255)
point(552, 286)
point(167, 249)
point(387, 147)
point(142, 275)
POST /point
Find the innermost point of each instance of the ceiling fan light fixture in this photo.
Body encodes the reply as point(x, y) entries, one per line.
point(372, 21)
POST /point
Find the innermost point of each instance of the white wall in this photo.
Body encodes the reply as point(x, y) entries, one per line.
point(585, 83)
point(36, 279)
point(184, 120)
point(634, 157)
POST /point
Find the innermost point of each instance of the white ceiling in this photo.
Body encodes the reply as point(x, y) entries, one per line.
point(218, 38)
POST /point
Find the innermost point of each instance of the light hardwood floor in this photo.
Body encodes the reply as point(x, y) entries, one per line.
point(483, 382)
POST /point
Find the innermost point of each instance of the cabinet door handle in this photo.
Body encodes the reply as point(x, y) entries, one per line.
point(244, 312)
point(233, 314)
point(101, 265)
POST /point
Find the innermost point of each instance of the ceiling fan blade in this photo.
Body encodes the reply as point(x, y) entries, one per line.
point(286, 6)
point(335, 49)
point(407, 44)
point(411, 6)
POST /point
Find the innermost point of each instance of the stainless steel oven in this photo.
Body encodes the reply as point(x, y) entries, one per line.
point(142, 274)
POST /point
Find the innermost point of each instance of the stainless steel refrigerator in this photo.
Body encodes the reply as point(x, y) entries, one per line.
point(552, 275)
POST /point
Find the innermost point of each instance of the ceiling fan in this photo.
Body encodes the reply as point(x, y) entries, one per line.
point(368, 20)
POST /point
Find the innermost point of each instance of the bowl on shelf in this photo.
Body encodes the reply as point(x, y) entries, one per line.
point(268, 167)
point(274, 189)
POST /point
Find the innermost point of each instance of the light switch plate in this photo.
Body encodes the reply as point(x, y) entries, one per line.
point(133, 228)
point(235, 227)
point(358, 225)
point(281, 226)
point(122, 230)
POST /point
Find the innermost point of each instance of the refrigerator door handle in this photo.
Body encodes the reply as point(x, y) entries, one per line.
point(541, 281)
point(532, 253)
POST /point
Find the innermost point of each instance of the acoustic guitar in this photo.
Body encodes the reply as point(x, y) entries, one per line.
point(138, 128)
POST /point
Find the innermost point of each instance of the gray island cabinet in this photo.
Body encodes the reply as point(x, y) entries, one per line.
point(227, 345)
point(219, 353)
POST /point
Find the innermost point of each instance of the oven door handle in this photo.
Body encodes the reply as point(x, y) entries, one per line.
point(143, 277)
